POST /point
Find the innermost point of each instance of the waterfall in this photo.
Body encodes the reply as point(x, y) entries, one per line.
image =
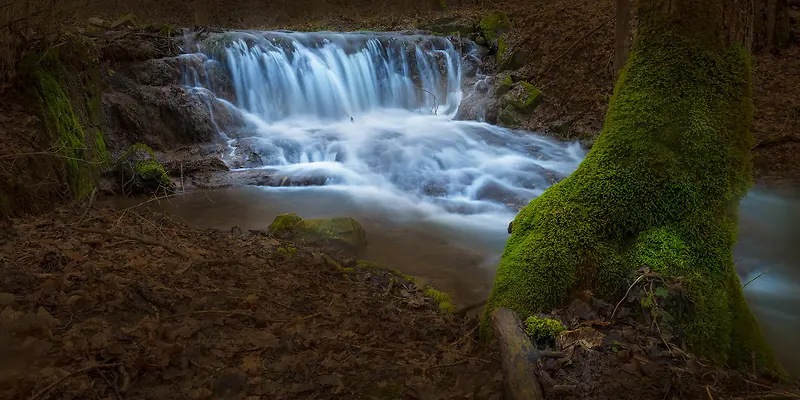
point(370, 114)
point(277, 75)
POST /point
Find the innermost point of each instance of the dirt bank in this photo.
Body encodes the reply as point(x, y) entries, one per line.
point(208, 311)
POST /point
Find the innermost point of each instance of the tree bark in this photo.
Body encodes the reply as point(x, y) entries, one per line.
point(659, 188)
point(622, 34)
point(772, 9)
point(201, 13)
point(518, 356)
point(771, 24)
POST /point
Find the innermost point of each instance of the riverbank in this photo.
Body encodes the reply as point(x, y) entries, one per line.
point(118, 303)
point(204, 312)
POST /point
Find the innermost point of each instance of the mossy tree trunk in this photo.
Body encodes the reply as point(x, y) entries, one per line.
point(659, 188)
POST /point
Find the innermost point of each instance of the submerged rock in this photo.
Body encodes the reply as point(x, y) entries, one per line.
point(340, 232)
point(141, 173)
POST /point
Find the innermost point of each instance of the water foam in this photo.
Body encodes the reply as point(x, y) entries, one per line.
point(372, 114)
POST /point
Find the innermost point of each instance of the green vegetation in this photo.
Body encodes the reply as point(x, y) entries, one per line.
point(70, 106)
point(140, 163)
point(442, 299)
point(494, 25)
point(543, 328)
point(343, 230)
point(659, 188)
point(288, 250)
point(528, 99)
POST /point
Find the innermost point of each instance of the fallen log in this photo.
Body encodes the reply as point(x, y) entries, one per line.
point(518, 355)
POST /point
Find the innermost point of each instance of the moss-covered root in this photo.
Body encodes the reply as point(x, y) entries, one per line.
point(142, 173)
point(660, 188)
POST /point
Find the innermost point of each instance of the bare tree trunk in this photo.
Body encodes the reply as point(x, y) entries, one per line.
point(772, 8)
point(201, 12)
point(771, 24)
point(622, 35)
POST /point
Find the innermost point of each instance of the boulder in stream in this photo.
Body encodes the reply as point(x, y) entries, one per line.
point(341, 232)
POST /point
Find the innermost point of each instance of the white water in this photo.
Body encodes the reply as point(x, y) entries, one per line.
point(372, 115)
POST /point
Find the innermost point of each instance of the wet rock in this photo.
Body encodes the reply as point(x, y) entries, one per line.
point(494, 25)
point(341, 232)
point(132, 48)
point(158, 72)
point(141, 173)
point(162, 117)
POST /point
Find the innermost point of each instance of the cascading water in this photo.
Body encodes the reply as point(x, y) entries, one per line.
point(372, 113)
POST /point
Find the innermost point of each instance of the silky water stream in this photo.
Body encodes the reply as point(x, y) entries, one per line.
point(369, 119)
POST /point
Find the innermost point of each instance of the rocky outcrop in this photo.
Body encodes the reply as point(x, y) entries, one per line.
point(165, 116)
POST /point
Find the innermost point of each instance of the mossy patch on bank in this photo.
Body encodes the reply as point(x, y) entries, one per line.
point(65, 77)
point(493, 25)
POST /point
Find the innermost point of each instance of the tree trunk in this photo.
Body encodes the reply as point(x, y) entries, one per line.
point(622, 34)
point(201, 12)
point(772, 9)
point(771, 24)
point(659, 188)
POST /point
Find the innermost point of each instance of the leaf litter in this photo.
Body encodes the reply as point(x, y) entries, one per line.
point(97, 310)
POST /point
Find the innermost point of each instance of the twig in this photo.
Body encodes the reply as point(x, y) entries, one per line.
point(112, 385)
point(710, 397)
point(751, 280)
point(553, 63)
point(50, 387)
point(625, 297)
point(662, 338)
point(143, 239)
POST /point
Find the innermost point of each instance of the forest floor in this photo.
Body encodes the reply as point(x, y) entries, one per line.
point(119, 304)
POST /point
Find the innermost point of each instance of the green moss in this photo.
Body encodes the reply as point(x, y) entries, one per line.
point(529, 98)
point(343, 230)
point(502, 48)
point(63, 124)
point(66, 79)
point(284, 222)
point(543, 328)
point(442, 299)
point(287, 250)
point(493, 25)
point(335, 264)
point(363, 264)
point(508, 118)
point(659, 188)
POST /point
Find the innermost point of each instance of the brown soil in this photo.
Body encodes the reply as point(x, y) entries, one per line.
point(102, 316)
point(627, 351)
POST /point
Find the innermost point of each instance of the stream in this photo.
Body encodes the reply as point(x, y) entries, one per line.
point(366, 122)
